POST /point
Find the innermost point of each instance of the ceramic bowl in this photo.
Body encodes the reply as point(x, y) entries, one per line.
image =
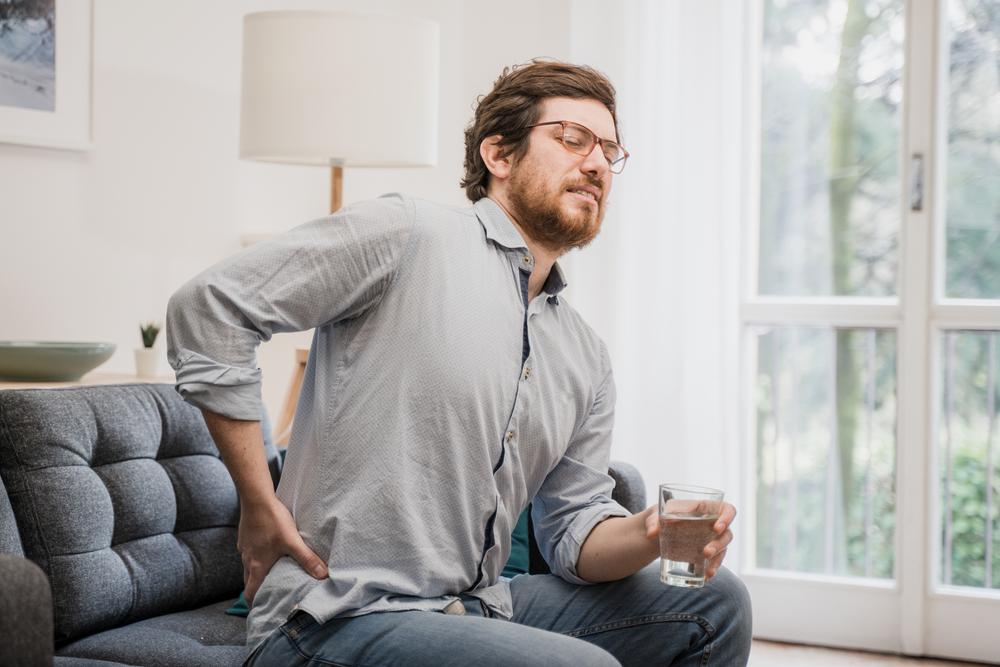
point(50, 361)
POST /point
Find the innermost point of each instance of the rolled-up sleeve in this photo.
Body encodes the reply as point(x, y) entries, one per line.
point(576, 494)
point(324, 271)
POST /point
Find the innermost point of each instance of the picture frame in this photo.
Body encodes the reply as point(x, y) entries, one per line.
point(68, 125)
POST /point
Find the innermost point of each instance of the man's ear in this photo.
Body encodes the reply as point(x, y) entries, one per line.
point(494, 156)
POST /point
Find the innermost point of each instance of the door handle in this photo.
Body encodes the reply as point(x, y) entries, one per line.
point(917, 182)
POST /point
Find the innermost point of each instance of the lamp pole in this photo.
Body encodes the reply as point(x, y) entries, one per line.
point(336, 185)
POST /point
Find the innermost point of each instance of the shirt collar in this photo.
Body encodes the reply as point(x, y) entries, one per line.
point(501, 230)
point(556, 281)
point(497, 225)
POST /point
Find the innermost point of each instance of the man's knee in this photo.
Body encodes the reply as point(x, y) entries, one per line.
point(515, 644)
point(734, 600)
point(585, 653)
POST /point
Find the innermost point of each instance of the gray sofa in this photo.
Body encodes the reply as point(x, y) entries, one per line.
point(118, 530)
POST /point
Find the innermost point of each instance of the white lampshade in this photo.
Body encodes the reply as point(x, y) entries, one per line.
point(339, 88)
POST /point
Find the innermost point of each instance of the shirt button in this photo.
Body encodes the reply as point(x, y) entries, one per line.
point(526, 259)
point(510, 436)
point(527, 373)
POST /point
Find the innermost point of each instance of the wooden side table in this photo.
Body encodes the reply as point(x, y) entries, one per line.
point(284, 430)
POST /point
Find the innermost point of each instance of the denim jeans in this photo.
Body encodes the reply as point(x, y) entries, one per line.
point(634, 621)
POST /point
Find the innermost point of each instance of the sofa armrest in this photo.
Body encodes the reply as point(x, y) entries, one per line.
point(25, 613)
point(630, 490)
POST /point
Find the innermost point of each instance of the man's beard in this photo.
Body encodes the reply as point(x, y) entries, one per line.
point(541, 215)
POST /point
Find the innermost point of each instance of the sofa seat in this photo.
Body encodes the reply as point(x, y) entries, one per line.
point(203, 637)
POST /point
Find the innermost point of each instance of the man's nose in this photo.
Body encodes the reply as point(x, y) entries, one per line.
point(595, 163)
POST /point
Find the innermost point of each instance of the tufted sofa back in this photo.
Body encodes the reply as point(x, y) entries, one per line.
point(119, 495)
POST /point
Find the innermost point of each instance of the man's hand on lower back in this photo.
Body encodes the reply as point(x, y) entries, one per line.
point(267, 532)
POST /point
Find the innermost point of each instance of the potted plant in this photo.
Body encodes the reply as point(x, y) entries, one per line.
point(146, 359)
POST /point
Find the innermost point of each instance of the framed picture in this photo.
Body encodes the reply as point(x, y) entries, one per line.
point(45, 64)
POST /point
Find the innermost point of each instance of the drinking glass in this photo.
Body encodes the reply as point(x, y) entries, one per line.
point(687, 515)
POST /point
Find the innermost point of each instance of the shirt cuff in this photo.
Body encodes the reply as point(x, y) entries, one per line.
point(567, 553)
point(230, 391)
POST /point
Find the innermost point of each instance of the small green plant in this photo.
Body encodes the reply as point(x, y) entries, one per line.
point(149, 331)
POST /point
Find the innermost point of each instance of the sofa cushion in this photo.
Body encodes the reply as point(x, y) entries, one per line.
point(204, 636)
point(120, 496)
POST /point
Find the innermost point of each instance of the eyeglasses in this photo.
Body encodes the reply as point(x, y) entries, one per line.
point(578, 139)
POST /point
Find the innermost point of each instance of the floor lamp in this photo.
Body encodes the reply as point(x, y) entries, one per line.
point(337, 89)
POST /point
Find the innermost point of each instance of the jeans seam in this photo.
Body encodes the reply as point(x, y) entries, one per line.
point(707, 654)
point(311, 658)
point(643, 620)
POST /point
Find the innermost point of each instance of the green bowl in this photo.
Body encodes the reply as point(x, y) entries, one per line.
point(50, 361)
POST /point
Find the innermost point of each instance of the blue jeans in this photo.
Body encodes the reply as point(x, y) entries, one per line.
point(634, 621)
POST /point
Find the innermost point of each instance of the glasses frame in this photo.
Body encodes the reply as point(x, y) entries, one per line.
point(594, 140)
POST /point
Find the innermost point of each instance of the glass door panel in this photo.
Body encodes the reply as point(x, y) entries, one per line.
point(831, 99)
point(970, 506)
point(972, 155)
point(826, 450)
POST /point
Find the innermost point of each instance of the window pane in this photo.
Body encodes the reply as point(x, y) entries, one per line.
point(970, 547)
point(826, 450)
point(972, 166)
point(831, 73)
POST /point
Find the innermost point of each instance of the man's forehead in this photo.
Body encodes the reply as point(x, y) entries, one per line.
point(588, 112)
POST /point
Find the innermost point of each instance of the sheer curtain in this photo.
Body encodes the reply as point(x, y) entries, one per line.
point(661, 283)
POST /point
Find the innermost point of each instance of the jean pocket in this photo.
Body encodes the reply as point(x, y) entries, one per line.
point(301, 623)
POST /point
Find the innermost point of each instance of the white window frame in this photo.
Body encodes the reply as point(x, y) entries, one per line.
point(911, 614)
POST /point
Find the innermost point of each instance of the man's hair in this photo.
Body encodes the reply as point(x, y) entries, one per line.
point(515, 103)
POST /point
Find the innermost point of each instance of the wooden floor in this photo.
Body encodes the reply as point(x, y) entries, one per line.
point(774, 654)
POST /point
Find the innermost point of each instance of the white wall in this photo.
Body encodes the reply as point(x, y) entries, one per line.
point(92, 243)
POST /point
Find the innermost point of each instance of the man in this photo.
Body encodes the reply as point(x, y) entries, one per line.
point(448, 386)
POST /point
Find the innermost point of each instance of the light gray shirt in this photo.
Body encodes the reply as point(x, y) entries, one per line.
point(437, 403)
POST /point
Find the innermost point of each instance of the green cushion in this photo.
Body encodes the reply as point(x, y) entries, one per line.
point(517, 563)
point(240, 607)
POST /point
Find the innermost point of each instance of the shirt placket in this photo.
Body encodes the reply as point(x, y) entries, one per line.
point(523, 265)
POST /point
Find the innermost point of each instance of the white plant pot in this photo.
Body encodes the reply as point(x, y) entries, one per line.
point(147, 362)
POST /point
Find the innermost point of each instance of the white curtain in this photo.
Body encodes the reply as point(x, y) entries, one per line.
point(661, 284)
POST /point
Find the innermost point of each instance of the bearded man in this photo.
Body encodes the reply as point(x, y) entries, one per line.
point(449, 385)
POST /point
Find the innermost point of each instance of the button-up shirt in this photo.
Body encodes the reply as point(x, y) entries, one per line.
point(438, 401)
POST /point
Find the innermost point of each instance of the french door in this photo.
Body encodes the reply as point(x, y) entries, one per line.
point(871, 324)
